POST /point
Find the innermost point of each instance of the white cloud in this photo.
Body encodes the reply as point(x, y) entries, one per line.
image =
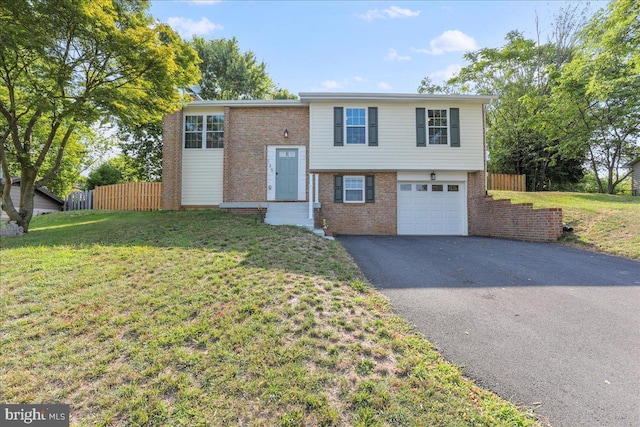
point(331, 84)
point(359, 79)
point(446, 73)
point(449, 41)
point(394, 12)
point(187, 27)
point(393, 55)
point(384, 86)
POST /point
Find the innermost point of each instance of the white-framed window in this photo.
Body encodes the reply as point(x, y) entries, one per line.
point(438, 127)
point(354, 189)
point(193, 131)
point(356, 125)
point(215, 131)
point(204, 131)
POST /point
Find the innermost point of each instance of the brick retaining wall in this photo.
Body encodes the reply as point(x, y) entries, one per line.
point(501, 218)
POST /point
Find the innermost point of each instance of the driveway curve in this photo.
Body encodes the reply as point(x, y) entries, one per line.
point(549, 327)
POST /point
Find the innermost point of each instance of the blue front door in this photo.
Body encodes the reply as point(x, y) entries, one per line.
point(286, 174)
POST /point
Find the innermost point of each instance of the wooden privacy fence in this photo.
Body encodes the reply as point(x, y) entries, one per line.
point(79, 200)
point(506, 182)
point(131, 196)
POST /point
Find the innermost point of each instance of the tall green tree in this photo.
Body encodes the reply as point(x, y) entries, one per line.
point(520, 73)
point(69, 62)
point(228, 73)
point(116, 170)
point(598, 94)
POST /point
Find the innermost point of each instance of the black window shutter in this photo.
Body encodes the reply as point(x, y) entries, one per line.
point(373, 126)
point(454, 126)
point(421, 130)
point(369, 187)
point(338, 119)
point(337, 189)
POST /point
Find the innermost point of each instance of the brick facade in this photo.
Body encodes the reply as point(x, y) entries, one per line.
point(172, 161)
point(360, 218)
point(248, 132)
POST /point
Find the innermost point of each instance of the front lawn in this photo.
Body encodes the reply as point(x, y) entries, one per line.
point(209, 319)
point(601, 222)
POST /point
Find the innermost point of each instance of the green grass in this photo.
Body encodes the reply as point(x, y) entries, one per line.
point(203, 318)
point(601, 222)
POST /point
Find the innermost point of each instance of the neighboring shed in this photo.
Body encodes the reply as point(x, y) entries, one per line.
point(635, 176)
point(634, 165)
point(43, 201)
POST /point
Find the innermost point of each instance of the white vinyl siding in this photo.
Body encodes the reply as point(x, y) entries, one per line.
point(396, 148)
point(202, 177)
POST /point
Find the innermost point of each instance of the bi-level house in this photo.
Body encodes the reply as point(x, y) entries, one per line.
point(348, 163)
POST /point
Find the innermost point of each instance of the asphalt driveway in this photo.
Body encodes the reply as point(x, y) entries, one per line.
point(548, 327)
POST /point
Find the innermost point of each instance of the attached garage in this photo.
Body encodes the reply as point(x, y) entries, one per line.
point(432, 208)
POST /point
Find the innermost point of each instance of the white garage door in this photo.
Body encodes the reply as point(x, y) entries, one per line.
point(427, 208)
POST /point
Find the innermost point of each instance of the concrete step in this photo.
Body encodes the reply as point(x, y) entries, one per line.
point(289, 213)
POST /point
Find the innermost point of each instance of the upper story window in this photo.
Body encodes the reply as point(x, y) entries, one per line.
point(197, 135)
point(438, 127)
point(356, 120)
point(355, 126)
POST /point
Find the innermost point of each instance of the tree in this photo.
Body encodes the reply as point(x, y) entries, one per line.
point(229, 74)
point(105, 174)
point(427, 86)
point(279, 93)
point(599, 93)
point(142, 144)
point(521, 74)
point(114, 171)
point(67, 63)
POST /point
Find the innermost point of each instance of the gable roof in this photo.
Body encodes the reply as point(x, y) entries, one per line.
point(632, 162)
point(43, 191)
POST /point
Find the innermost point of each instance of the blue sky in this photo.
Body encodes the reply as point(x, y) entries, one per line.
point(359, 46)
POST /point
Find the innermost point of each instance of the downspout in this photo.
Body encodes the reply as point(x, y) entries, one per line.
point(484, 147)
point(311, 193)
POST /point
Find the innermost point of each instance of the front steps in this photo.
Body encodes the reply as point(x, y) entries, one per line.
point(289, 213)
point(281, 213)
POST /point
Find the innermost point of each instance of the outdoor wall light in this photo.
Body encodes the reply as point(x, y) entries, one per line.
point(286, 133)
point(433, 176)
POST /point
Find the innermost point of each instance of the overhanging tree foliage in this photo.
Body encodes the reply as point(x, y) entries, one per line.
point(70, 62)
point(229, 74)
point(598, 95)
